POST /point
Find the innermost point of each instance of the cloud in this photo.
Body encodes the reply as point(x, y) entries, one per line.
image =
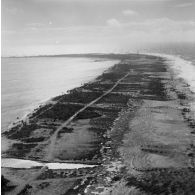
point(185, 4)
point(113, 22)
point(129, 12)
point(38, 25)
point(154, 30)
point(165, 24)
point(114, 34)
point(35, 24)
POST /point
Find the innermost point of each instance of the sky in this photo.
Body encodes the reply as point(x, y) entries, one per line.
point(38, 27)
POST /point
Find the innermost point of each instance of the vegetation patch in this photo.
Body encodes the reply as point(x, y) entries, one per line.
point(40, 110)
point(88, 114)
point(98, 86)
point(80, 97)
point(23, 132)
point(165, 181)
point(19, 150)
point(111, 76)
point(5, 185)
point(61, 111)
point(65, 130)
point(33, 139)
point(102, 122)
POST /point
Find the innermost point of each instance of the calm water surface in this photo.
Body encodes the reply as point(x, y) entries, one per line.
point(27, 82)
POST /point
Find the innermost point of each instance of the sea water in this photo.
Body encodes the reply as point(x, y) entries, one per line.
point(30, 81)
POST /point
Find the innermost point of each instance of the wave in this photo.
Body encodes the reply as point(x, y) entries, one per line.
point(182, 68)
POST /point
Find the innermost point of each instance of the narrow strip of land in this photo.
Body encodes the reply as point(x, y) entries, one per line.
point(54, 136)
point(133, 120)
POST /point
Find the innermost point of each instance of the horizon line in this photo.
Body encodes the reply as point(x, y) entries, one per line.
point(69, 54)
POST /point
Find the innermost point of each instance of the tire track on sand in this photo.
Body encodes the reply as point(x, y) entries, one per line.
point(53, 138)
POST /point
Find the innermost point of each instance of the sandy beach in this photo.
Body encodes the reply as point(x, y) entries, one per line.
point(132, 123)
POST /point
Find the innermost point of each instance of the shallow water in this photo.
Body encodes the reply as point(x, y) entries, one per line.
point(28, 82)
point(27, 164)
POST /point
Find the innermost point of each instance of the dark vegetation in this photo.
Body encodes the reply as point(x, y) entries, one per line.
point(79, 186)
point(65, 173)
point(102, 123)
point(119, 68)
point(57, 98)
point(25, 190)
point(49, 125)
point(97, 87)
point(61, 111)
point(21, 132)
point(19, 150)
point(166, 181)
point(65, 130)
point(97, 130)
point(5, 187)
point(40, 110)
point(91, 155)
point(12, 130)
point(95, 112)
point(87, 114)
point(111, 77)
point(155, 151)
point(77, 96)
point(33, 139)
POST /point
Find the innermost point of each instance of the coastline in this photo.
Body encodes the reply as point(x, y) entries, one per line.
point(41, 86)
point(125, 126)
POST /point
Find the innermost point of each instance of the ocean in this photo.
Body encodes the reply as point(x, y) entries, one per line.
point(29, 82)
point(181, 58)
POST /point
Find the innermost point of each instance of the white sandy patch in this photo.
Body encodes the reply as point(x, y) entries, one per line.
point(20, 163)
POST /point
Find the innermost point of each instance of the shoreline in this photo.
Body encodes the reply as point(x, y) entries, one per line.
point(111, 116)
point(61, 87)
point(46, 104)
